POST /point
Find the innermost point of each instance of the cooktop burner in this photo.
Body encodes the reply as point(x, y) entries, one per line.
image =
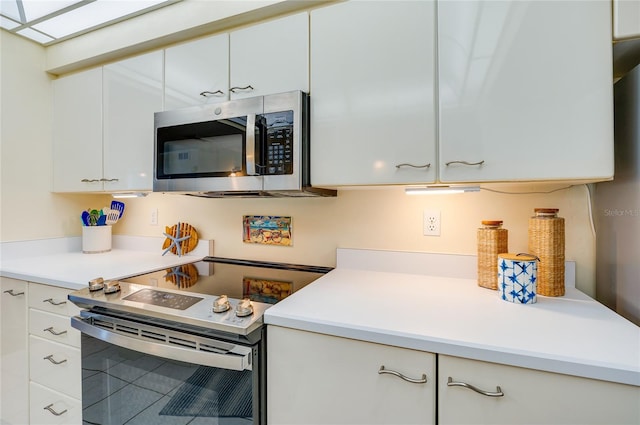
point(164, 299)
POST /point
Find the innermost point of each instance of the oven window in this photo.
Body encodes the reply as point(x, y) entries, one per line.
point(209, 149)
point(121, 386)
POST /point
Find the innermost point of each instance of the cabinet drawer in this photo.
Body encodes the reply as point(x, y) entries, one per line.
point(64, 376)
point(52, 299)
point(63, 409)
point(529, 396)
point(54, 327)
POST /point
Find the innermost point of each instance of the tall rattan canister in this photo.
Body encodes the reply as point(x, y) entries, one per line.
point(492, 240)
point(546, 240)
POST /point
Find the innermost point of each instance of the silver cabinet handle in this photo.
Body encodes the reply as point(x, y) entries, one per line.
point(464, 163)
point(50, 409)
point(50, 330)
point(109, 180)
point(246, 88)
point(13, 294)
point(413, 166)
point(50, 358)
point(423, 380)
point(498, 392)
point(51, 301)
point(212, 93)
point(89, 180)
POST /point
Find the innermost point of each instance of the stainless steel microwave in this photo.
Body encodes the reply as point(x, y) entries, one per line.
point(252, 147)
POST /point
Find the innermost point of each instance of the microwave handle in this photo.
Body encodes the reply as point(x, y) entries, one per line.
point(251, 145)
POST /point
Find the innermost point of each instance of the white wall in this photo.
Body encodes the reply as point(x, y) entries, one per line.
point(27, 208)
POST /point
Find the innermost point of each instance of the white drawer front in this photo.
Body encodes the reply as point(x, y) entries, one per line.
point(51, 407)
point(52, 299)
point(64, 376)
point(53, 327)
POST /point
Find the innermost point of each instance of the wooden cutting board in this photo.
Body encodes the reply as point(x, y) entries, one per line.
point(187, 245)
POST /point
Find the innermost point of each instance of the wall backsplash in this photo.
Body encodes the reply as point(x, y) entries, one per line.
point(369, 218)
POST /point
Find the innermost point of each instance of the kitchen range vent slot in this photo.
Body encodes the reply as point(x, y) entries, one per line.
point(182, 342)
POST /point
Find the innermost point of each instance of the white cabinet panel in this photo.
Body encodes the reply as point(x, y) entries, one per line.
point(55, 365)
point(53, 327)
point(77, 132)
point(372, 93)
point(320, 379)
point(50, 407)
point(271, 58)
point(525, 87)
point(197, 67)
point(626, 19)
point(51, 299)
point(132, 93)
point(530, 397)
point(14, 392)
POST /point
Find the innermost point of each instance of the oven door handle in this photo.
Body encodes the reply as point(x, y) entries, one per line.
point(232, 361)
point(251, 145)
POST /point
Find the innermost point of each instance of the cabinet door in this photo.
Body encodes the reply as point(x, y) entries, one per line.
point(197, 72)
point(525, 90)
point(530, 397)
point(372, 93)
point(14, 365)
point(626, 19)
point(270, 58)
point(56, 366)
point(132, 93)
point(320, 379)
point(50, 407)
point(77, 132)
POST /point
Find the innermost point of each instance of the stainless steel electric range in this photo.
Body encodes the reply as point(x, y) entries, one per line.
point(181, 345)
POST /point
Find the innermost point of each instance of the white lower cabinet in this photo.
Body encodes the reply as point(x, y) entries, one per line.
point(320, 379)
point(14, 364)
point(529, 396)
point(51, 407)
point(55, 370)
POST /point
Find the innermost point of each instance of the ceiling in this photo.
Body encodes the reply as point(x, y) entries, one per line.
point(50, 21)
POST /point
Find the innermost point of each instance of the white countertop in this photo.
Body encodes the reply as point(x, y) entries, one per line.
point(574, 334)
point(62, 263)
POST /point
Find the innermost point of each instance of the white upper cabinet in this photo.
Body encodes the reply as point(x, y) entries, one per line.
point(77, 132)
point(626, 19)
point(132, 93)
point(525, 91)
point(103, 126)
point(270, 58)
point(372, 93)
point(197, 72)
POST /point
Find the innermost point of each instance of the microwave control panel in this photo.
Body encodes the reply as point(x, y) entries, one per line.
point(277, 156)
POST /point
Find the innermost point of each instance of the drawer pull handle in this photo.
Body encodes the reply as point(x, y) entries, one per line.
point(50, 330)
point(50, 409)
point(109, 180)
point(207, 93)
point(245, 88)
point(464, 163)
point(13, 294)
point(51, 301)
point(498, 392)
point(50, 358)
point(89, 180)
point(406, 164)
point(423, 380)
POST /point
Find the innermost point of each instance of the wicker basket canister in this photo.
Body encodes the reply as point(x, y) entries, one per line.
point(492, 240)
point(546, 240)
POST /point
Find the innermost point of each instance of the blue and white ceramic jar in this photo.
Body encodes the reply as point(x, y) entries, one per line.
point(517, 276)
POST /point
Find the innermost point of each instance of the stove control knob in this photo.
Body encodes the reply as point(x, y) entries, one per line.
point(221, 304)
point(111, 286)
point(244, 308)
point(96, 284)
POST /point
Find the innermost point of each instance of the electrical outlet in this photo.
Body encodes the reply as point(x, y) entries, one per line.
point(431, 223)
point(153, 217)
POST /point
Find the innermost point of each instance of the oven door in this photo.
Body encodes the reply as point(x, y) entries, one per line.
point(139, 373)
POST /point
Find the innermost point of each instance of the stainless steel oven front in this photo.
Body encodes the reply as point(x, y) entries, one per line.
point(141, 370)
